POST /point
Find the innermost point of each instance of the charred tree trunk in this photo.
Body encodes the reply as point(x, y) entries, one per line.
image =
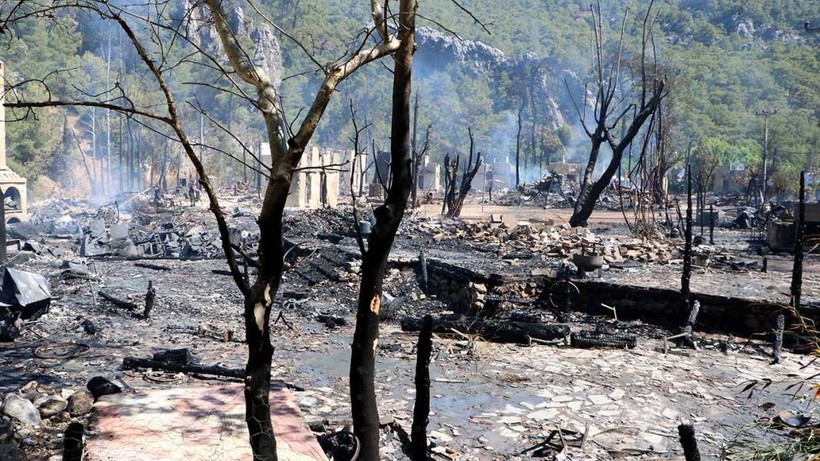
point(606, 109)
point(687, 248)
point(421, 411)
point(416, 159)
point(287, 148)
point(450, 175)
point(797, 269)
point(388, 217)
point(518, 147)
point(470, 170)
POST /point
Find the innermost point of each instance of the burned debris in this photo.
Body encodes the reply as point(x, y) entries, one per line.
point(492, 287)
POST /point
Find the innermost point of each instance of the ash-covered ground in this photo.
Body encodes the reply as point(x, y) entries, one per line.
point(489, 400)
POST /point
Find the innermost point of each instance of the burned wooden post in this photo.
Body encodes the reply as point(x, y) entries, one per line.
point(701, 200)
point(797, 270)
point(687, 249)
point(424, 276)
point(778, 337)
point(711, 224)
point(689, 442)
point(564, 316)
point(421, 411)
point(73, 445)
point(765, 266)
point(689, 328)
point(693, 318)
point(450, 172)
point(687, 336)
point(150, 297)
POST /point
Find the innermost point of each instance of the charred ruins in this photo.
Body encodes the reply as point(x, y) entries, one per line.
point(537, 327)
point(263, 293)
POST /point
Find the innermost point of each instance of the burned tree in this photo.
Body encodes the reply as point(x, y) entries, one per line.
point(609, 115)
point(388, 217)
point(287, 148)
point(455, 191)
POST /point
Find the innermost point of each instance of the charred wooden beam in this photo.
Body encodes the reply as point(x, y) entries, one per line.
point(499, 331)
point(155, 267)
point(117, 301)
point(132, 363)
point(182, 356)
point(592, 339)
point(331, 321)
point(150, 299)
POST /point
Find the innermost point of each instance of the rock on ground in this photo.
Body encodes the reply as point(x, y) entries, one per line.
point(80, 403)
point(22, 410)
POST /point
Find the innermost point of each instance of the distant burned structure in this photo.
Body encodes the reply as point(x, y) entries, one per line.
point(316, 181)
point(500, 173)
point(12, 184)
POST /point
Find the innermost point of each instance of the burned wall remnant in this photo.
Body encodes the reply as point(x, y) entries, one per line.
point(13, 185)
point(316, 183)
point(720, 314)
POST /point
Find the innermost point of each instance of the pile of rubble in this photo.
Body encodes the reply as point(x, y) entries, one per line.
point(543, 240)
point(40, 418)
point(137, 229)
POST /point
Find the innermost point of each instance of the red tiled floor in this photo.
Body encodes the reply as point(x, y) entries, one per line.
point(193, 423)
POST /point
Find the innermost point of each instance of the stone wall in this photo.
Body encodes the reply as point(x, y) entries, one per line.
point(463, 288)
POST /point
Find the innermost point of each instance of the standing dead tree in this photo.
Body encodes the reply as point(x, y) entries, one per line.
point(379, 243)
point(455, 192)
point(287, 147)
point(609, 114)
point(418, 159)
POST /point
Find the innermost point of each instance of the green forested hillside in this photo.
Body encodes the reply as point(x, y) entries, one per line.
point(723, 60)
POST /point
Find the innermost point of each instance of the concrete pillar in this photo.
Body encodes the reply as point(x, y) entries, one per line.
point(333, 179)
point(13, 185)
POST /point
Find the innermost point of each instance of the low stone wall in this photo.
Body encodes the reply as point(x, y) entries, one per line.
point(662, 306)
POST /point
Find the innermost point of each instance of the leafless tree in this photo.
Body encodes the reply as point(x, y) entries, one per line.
point(455, 192)
point(610, 113)
point(392, 35)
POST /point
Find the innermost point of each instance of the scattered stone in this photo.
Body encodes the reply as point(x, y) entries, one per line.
point(22, 410)
point(80, 403)
point(617, 394)
point(599, 399)
point(100, 386)
point(50, 406)
point(307, 401)
point(88, 327)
